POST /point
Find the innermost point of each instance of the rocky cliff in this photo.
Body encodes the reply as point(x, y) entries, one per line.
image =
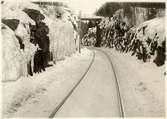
point(132, 13)
point(133, 16)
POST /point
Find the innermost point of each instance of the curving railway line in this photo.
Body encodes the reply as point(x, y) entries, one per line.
point(117, 85)
point(81, 91)
point(68, 95)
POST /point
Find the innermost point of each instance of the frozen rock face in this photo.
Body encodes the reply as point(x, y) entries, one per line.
point(140, 15)
point(62, 41)
point(63, 32)
point(134, 16)
point(160, 13)
point(13, 60)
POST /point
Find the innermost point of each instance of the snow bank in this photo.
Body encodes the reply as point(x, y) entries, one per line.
point(142, 85)
point(151, 35)
point(16, 94)
point(152, 27)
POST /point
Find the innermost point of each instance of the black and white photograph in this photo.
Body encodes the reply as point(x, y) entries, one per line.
point(83, 58)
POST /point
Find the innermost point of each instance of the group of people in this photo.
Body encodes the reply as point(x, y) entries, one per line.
point(39, 37)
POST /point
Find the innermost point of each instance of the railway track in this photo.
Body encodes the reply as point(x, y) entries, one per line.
point(121, 112)
point(71, 91)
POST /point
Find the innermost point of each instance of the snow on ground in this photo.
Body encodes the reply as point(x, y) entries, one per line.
point(96, 95)
point(142, 85)
point(25, 94)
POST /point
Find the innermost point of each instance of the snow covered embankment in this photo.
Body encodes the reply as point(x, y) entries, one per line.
point(150, 40)
point(25, 97)
point(31, 40)
point(146, 41)
point(142, 86)
point(16, 35)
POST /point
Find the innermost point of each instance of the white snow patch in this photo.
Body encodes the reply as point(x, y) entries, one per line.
point(63, 75)
point(20, 4)
point(153, 26)
point(16, 14)
point(142, 85)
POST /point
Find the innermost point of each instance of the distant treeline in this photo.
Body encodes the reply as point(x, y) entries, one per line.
point(109, 8)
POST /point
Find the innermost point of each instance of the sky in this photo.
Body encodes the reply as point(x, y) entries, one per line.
point(85, 6)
